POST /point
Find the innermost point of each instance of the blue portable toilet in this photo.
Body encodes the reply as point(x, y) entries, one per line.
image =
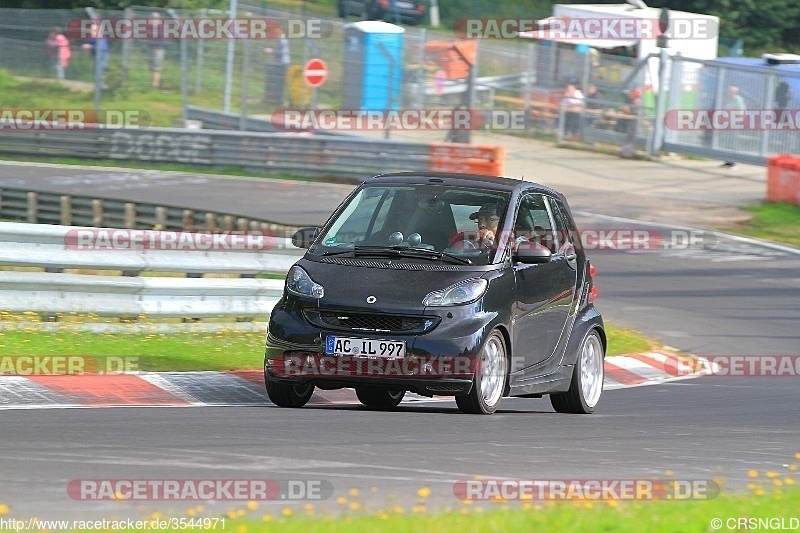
point(373, 61)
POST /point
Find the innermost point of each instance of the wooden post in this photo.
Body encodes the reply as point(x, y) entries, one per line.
point(97, 213)
point(66, 210)
point(130, 215)
point(33, 207)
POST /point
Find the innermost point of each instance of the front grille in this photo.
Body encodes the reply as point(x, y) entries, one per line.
point(373, 322)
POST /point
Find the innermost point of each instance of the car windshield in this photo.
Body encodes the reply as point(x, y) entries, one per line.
point(419, 223)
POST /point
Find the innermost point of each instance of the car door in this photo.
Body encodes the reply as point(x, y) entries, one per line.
point(544, 292)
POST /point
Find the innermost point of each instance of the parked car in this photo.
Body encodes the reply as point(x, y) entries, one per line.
point(395, 11)
point(440, 284)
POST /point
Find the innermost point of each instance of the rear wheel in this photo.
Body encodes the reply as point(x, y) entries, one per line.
point(587, 379)
point(490, 378)
point(378, 398)
point(288, 394)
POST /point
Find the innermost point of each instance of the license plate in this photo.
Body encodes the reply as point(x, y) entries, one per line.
point(364, 347)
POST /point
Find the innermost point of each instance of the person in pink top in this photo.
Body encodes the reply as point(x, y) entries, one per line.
point(58, 51)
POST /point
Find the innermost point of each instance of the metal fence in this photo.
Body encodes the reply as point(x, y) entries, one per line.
point(698, 87)
point(237, 79)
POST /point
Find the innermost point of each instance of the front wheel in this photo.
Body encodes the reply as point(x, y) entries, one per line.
point(288, 394)
point(378, 398)
point(587, 379)
point(490, 378)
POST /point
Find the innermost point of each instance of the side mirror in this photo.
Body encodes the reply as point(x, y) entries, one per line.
point(304, 237)
point(531, 253)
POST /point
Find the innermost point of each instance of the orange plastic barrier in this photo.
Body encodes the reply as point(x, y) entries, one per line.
point(467, 159)
point(783, 179)
point(442, 54)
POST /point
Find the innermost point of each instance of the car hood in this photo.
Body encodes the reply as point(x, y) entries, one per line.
point(400, 287)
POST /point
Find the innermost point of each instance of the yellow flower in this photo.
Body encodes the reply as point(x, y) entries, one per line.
point(286, 512)
point(354, 506)
point(772, 475)
point(241, 529)
point(788, 481)
point(267, 518)
point(668, 472)
point(424, 492)
point(3, 509)
point(353, 492)
point(252, 505)
point(341, 500)
point(752, 486)
point(309, 507)
point(384, 516)
point(752, 473)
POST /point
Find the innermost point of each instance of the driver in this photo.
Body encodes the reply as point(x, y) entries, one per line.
point(488, 218)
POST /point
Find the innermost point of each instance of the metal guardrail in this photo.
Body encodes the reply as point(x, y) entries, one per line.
point(56, 248)
point(298, 153)
point(50, 208)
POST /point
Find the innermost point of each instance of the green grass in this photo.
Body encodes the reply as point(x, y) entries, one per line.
point(773, 221)
point(179, 352)
point(658, 516)
point(224, 349)
point(622, 341)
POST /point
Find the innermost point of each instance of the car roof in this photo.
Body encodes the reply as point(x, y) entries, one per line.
point(482, 181)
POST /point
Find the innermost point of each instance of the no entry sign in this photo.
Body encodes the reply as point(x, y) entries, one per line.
point(315, 72)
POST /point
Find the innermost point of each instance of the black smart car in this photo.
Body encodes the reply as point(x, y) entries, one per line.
point(440, 284)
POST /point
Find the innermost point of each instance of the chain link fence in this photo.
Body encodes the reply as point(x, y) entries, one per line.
point(254, 78)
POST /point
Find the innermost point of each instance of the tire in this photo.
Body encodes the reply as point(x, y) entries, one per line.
point(490, 378)
point(288, 394)
point(586, 386)
point(378, 398)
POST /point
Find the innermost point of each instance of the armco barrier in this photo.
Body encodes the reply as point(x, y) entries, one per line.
point(58, 248)
point(50, 208)
point(295, 153)
point(783, 179)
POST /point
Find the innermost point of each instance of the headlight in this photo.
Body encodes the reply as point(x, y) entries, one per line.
point(299, 282)
point(463, 292)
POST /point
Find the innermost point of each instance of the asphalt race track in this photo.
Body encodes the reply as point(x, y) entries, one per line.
point(726, 297)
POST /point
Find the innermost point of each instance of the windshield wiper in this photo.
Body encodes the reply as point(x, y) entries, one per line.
point(400, 251)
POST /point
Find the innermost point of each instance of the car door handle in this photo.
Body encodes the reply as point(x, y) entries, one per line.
point(571, 256)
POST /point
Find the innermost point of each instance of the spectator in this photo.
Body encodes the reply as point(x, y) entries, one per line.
point(734, 100)
point(573, 103)
point(278, 61)
point(158, 47)
point(629, 119)
point(58, 51)
point(594, 104)
point(99, 48)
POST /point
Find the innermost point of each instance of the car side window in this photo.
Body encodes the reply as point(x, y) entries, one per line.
point(533, 222)
point(562, 229)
